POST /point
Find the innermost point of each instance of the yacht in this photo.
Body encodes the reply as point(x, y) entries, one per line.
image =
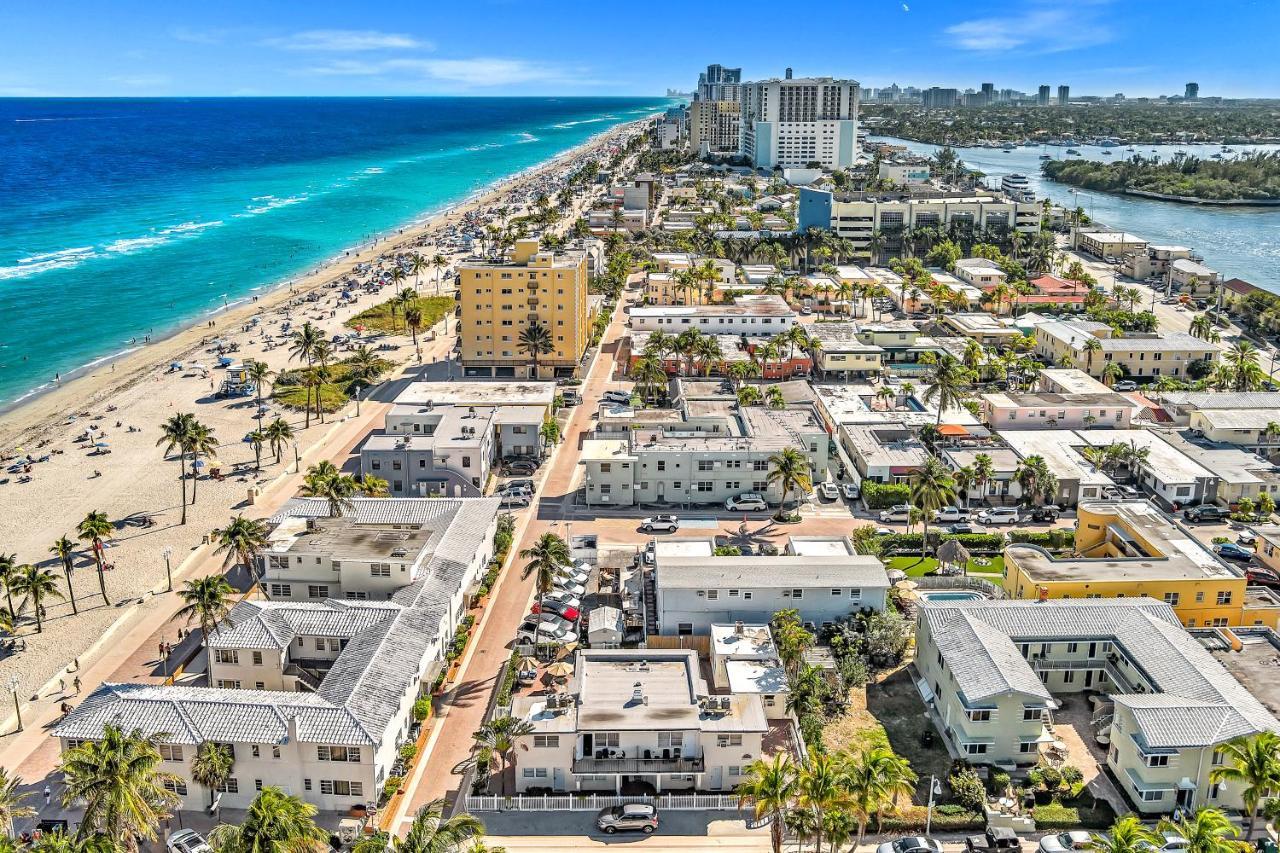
point(1017, 187)
point(1073, 151)
point(1106, 153)
point(1046, 156)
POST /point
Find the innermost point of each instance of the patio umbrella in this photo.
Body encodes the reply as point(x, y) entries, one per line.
point(199, 463)
point(527, 663)
point(908, 595)
point(568, 649)
point(953, 552)
point(906, 585)
point(560, 669)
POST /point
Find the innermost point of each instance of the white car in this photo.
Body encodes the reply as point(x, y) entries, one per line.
point(563, 584)
point(851, 491)
point(749, 502)
point(951, 514)
point(829, 490)
point(572, 575)
point(544, 633)
point(560, 596)
point(901, 512)
point(1076, 839)
point(667, 523)
point(621, 397)
point(999, 515)
point(187, 841)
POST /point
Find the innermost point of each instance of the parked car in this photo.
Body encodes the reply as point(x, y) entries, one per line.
point(995, 838)
point(533, 631)
point(749, 502)
point(1206, 512)
point(829, 490)
point(966, 528)
point(521, 467)
point(621, 397)
point(187, 841)
point(901, 512)
point(516, 485)
point(911, 844)
point(570, 398)
point(1076, 839)
point(550, 605)
point(851, 491)
point(633, 817)
point(516, 499)
point(575, 576)
point(665, 522)
point(563, 584)
point(1125, 385)
point(1048, 513)
point(1167, 842)
point(562, 597)
point(1247, 538)
point(999, 515)
point(950, 513)
point(1229, 551)
point(1262, 576)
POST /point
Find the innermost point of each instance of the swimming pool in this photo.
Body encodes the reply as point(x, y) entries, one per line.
point(960, 595)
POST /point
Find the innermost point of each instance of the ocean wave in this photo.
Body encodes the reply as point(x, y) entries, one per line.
point(273, 204)
point(45, 261)
point(567, 124)
point(125, 247)
point(373, 170)
point(190, 227)
point(528, 137)
point(484, 146)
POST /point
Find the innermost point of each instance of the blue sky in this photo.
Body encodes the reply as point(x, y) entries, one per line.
point(490, 47)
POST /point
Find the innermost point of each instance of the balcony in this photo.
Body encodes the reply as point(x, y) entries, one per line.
point(638, 765)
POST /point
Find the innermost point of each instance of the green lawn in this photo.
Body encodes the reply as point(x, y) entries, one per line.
point(915, 567)
point(379, 318)
point(334, 394)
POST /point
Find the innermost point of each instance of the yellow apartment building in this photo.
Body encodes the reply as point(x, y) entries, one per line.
point(1130, 549)
point(501, 298)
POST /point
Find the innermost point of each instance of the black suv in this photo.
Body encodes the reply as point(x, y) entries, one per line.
point(1206, 512)
point(1045, 513)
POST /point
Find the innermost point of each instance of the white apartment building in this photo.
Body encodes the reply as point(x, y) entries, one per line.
point(793, 122)
point(637, 715)
point(1251, 428)
point(980, 272)
point(752, 316)
point(824, 581)
point(991, 669)
point(705, 459)
point(744, 660)
point(317, 697)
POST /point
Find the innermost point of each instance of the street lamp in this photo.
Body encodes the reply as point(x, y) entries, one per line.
point(14, 684)
point(168, 571)
point(297, 459)
point(935, 787)
point(358, 388)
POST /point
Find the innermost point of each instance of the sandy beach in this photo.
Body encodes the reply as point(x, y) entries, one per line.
point(128, 399)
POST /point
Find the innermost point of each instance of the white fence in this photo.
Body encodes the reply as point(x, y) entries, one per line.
point(595, 802)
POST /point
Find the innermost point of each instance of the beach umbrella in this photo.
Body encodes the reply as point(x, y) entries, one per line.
point(560, 669)
point(199, 463)
point(568, 649)
point(906, 586)
point(528, 663)
point(952, 552)
point(103, 444)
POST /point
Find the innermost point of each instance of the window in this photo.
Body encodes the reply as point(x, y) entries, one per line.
point(684, 628)
point(704, 485)
point(793, 593)
point(228, 656)
point(760, 465)
point(380, 570)
point(728, 740)
point(713, 595)
point(341, 788)
point(257, 658)
point(257, 784)
point(1072, 648)
point(170, 751)
point(836, 592)
point(1224, 596)
point(975, 749)
point(546, 741)
point(254, 750)
point(1157, 760)
point(175, 786)
point(1029, 714)
point(338, 753)
point(735, 770)
point(705, 465)
point(855, 594)
point(535, 772)
point(230, 786)
point(1152, 796)
point(1027, 746)
point(669, 739)
point(979, 715)
point(317, 591)
point(1216, 761)
point(1068, 677)
point(1171, 599)
point(228, 684)
point(662, 465)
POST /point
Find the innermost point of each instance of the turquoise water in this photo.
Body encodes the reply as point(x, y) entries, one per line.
point(1240, 242)
point(126, 218)
point(951, 596)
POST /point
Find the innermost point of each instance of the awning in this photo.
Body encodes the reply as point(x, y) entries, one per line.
point(952, 429)
point(926, 692)
point(1186, 784)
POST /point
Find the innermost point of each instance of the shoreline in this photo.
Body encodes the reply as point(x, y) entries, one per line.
point(45, 407)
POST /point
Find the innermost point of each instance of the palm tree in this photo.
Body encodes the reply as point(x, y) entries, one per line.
point(303, 347)
point(118, 782)
point(36, 584)
point(1112, 373)
point(535, 341)
point(1206, 831)
point(687, 344)
point(259, 372)
point(546, 555)
point(1254, 763)
point(8, 571)
point(874, 778)
point(319, 373)
point(790, 469)
point(432, 832)
point(946, 387)
point(208, 601)
point(499, 737)
point(965, 478)
point(439, 262)
point(242, 539)
point(413, 318)
point(932, 488)
point(374, 487)
point(648, 375)
point(1127, 835)
point(200, 441)
point(276, 821)
point(806, 686)
point(212, 767)
point(363, 366)
point(325, 481)
point(984, 470)
point(1201, 327)
point(279, 433)
point(887, 396)
point(175, 433)
point(257, 440)
point(1091, 347)
point(94, 529)
point(11, 801)
point(770, 790)
point(1242, 356)
point(774, 398)
point(65, 550)
point(820, 785)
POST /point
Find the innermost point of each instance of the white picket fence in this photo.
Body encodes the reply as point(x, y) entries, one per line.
point(595, 802)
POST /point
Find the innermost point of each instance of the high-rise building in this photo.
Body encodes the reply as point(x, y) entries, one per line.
point(796, 121)
point(934, 98)
point(1064, 95)
point(1193, 91)
point(718, 83)
point(503, 297)
point(1043, 98)
point(988, 94)
point(714, 126)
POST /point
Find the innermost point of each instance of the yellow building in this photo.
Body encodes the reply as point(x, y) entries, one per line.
point(1129, 549)
point(1066, 343)
point(532, 287)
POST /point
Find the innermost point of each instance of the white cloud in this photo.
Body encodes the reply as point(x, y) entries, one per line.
point(1040, 30)
point(475, 72)
point(345, 41)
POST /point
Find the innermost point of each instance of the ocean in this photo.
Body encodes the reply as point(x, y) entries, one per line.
point(121, 218)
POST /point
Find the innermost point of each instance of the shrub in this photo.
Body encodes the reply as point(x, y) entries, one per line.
point(950, 809)
point(912, 819)
point(509, 680)
point(728, 551)
point(1000, 782)
point(1057, 815)
point(885, 495)
point(408, 751)
point(421, 708)
point(390, 787)
point(1220, 540)
point(1058, 538)
point(967, 788)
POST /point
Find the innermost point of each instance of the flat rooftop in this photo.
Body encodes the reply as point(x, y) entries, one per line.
point(476, 393)
point(1165, 461)
point(1058, 447)
point(752, 641)
point(1178, 555)
point(753, 306)
point(1072, 380)
point(343, 538)
point(1256, 665)
point(1052, 400)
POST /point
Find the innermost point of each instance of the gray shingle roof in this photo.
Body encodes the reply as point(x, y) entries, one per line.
point(1198, 701)
point(371, 678)
point(276, 624)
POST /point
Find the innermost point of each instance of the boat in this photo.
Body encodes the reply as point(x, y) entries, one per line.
point(1183, 153)
point(1073, 151)
point(1106, 153)
point(1227, 149)
point(1046, 156)
point(1006, 149)
point(1216, 157)
point(1131, 148)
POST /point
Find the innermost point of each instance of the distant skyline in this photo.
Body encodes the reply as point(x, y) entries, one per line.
point(570, 47)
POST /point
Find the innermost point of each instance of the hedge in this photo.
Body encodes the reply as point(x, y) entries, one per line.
point(885, 495)
point(912, 819)
point(1059, 537)
point(975, 543)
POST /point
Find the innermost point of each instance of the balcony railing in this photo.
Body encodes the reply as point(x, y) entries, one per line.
point(638, 765)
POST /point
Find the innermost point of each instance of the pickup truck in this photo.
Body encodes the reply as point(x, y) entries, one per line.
point(1206, 512)
point(950, 514)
